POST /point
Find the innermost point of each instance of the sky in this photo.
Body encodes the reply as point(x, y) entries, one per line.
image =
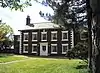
point(17, 19)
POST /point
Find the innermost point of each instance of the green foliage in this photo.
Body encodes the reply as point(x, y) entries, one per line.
point(75, 10)
point(79, 51)
point(15, 4)
point(5, 32)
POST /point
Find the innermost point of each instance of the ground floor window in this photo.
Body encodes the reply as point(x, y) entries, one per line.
point(64, 48)
point(34, 48)
point(53, 48)
point(25, 48)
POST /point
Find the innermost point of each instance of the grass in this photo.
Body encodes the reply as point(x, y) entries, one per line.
point(43, 65)
point(10, 57)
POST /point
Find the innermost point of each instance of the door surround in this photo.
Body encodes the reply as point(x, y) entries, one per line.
point(43, 49)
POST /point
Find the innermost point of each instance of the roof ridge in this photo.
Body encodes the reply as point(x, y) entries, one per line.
point(42, 22)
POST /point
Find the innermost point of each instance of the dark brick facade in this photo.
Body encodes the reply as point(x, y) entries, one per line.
point(59, 41)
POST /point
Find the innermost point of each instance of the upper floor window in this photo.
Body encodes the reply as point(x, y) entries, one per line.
point(34, 36)
point(43, 36)
point(25, 36)
point(54, 36)
point(54, 48)
point(25, 48)
point(18, 38)
point(34, 48)
point(84, 35)
point(64, 35)
point(64, 48)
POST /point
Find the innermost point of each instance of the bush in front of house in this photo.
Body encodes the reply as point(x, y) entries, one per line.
point(79, 51)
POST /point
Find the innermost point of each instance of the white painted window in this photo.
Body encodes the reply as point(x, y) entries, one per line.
point(43, 36)
point(26, 36)
point(83, 35)
point(34, 48)
point(64, 48)
point(34, 36)
point(53, 48)
point(25, 48)
point(54, 36)
point(64, 35)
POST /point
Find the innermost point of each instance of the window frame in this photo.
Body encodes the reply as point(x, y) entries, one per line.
point(42, 36)
point(24, 36)
point(52, 35)
point(66, 49)
point(32, 36)
point(32, 48)
point(18, 38)
point(51, 49)
point(83, 34)
point(24, 48)
point(62, 35)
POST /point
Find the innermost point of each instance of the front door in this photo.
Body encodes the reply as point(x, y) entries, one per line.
point(43, 49)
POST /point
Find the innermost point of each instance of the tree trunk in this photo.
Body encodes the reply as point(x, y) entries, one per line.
point(97, 55)
point(89, 16)
point(95, 4)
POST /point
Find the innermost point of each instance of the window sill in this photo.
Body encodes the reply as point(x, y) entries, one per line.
point(43, 40)
point(53, 52)
point(64, 39)
point(34, 52)
point(25, 51)
point(53, 40)
point(25, 40)
point(63, 52)
point(34, 40)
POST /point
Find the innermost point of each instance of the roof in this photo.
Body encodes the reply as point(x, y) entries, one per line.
point(42, 25)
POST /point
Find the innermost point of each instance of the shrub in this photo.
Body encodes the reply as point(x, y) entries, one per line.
point(79, 51)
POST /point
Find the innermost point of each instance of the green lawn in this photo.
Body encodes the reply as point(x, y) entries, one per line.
point(42, 65)
point(10, 57)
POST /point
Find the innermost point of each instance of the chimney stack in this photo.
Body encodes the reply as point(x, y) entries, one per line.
point(28, 20)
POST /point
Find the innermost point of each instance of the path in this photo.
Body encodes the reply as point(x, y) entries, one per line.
point(16, 61)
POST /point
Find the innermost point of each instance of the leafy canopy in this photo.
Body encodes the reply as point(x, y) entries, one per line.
point(15, 4)
point(66, 12)
point(5, 31)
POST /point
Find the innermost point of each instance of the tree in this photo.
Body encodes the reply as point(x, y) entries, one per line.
point(89, 17)
point(6, 35)
point(6, 32)
point(67, 9)
point(15, 4)
point(95, 19)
